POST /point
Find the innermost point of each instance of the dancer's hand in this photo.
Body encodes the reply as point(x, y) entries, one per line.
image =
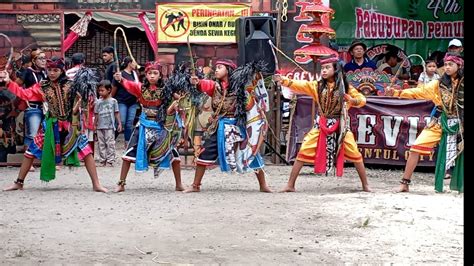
point(78, 103)
point(118, 76)
point(4, 77)
point(389, 91)
point(173, 107)
point(119, 128)
point(350, 100)
point(78, 98)
point(277, 78)
point(194, 80)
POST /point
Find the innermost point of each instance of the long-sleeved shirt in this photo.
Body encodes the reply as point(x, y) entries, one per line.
point(208, 86)
point(135, 88)
point(428, 91)
point(439, 94)
point(310, 88)
point(33, 93)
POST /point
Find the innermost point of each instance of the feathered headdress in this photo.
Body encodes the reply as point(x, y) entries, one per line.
point(85, 83)
point(179, 82)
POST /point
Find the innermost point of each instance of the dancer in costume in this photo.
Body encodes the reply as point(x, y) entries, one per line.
point(86, 80)
point(59, 135)
point(330, 141)
point(227, 137)
point(446, 127)
point(8, 106)
point(190, 101)
point(203, 114)
point(156, 134)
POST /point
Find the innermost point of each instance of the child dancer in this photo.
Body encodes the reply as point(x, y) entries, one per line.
point(330, 141)
point(59, 134)
point(156, 134)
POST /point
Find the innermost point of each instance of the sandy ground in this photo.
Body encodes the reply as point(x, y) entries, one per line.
point(327, 221)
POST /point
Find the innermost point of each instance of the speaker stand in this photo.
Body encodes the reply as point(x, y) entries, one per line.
point(276, 153)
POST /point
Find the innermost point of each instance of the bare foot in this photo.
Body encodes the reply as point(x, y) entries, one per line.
point(99, 188)
point(120, 188)
point(14, 186)
point(32, 169)
point(193, 188)
point(288, 189)
point(265, 189)
point(366, 189)
point(403, 188)
point(179, 187)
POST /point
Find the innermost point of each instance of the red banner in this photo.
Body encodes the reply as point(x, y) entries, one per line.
point(384, 128)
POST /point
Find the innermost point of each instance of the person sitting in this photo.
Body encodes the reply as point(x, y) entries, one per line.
point(392, 64)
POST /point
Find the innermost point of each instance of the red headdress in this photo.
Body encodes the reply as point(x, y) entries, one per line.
point(328, 59)
point(152, 65)
point(55, 63)
point(454, 58)
point(226, 62)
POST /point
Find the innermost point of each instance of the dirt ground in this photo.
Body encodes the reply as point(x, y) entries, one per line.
point(328, 220)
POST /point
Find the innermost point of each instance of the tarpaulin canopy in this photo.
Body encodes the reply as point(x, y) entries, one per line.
point(124, 19)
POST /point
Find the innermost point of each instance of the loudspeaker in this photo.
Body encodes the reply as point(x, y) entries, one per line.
point(252, 38)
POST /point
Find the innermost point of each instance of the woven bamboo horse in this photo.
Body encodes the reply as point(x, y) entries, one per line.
point(257, 124)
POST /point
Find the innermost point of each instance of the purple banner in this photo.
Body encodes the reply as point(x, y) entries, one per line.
point(384, 128)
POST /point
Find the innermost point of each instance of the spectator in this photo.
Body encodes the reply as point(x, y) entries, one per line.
point(33, 115)
point(127, 102)
point(25, 64)
point(359, 58)
point(392, 64)
point(106, 115)
point(108, 58)
point(78, 60)
point(430, 73)
point(455, 46)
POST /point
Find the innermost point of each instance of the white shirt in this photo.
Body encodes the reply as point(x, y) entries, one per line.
point(71, 73)
point(424, 78)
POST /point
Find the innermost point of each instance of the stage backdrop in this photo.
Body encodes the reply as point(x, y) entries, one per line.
point(384, 128)
point(416, 26)
point(413, 26)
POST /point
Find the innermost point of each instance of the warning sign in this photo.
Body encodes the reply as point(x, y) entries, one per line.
point(203, 23)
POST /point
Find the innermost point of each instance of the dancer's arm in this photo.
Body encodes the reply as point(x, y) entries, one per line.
point(132, 87)
point(299, 86)
point(32, 93)
point(355, 99)
point(204, 85)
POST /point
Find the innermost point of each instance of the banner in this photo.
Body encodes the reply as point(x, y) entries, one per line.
point(201, 23)
point(384, 128)
point(416, 26)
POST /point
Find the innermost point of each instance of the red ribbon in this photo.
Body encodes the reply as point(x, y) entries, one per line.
point(320, 158)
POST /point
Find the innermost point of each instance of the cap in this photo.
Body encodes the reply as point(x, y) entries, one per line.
point(455, 42)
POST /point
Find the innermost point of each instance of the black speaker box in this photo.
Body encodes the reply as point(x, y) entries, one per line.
point(253, 34)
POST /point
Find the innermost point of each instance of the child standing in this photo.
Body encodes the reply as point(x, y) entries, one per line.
point(430, 74)
point(106, 113)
